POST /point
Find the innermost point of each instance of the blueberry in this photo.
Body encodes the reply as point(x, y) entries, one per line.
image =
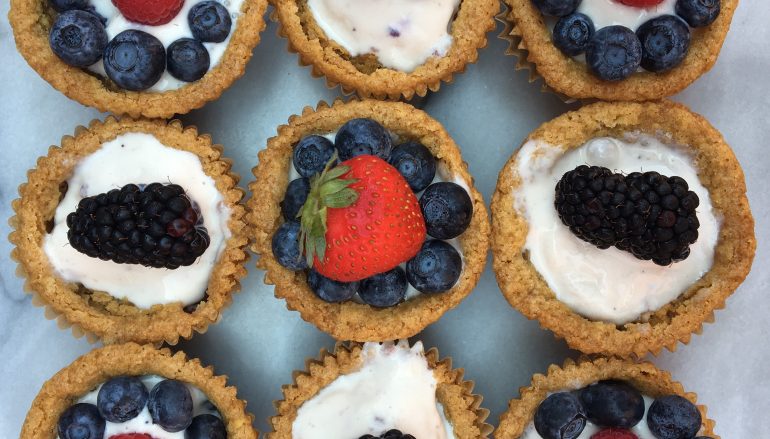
point(612, 404)
point(134, 60)
point(384, 289)
point(81, 421)
point(698, 13)
point(68, 5)
point(572, 33)
point(614, 53)
point(78, 38)
point(330, 290)
point(665, 41)
point(171, 405)
point(206, 427)
point(363, 136)
point(673, 417)
point(121, 398)
point(447, 209)
point(286, 247)
point(560, 416)
point(557, 8)
point(311, 155)
point(294, 198)
point(187, 60)
point(436, 267)
point(415, 162)
point(210, 22)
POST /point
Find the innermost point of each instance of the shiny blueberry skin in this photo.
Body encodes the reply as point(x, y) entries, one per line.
point(81, 421)
point(171, 405)
point(557, 8)
point(572, 33)
point(210, 22)
point(363, 136)
point(187, 60)
point(673, 417)
point(384, 289)
point(698, 13)
point(134, 60)
point(78, 38)
point(614, 53)
point(294, 198)
point(436, 267)
point(286, 246)
point(447, 209)
point(612, 404)
point(68, 5)
point(121, 398)
point(206, 427)
point(560, 416)
point(330, 290)
point(665, 41)
point(311, 155)
point(415, 163)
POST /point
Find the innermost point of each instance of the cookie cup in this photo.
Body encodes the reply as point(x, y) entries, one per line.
point(97, 314)
point(718, 170)
point(351, 320)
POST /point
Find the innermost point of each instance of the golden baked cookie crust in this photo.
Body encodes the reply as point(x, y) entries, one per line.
point(718, 170)
point(100, 365)
point(31, 21)
point(350, 320)
point(97, 314)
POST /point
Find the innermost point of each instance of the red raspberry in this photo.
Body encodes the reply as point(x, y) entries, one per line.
point(152, 12)
point(614, 433)
point(131, 436)
point(641, 3)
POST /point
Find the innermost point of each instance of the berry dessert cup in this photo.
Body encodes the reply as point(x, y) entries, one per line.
point(138, 57)
point(129, 391)
point(622, 227)
point(627, 50)
point(386, 50)
point(131, 231)
point(606, 398)
point(369, 390)
point(368, 250)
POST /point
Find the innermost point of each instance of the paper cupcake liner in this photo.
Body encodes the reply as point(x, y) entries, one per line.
point(350, 320)
point(100, 365)
point(643, 376)
point(31, 21)
point(475, 19)
point(462, 407)
point(108, 319)
point(718, 170)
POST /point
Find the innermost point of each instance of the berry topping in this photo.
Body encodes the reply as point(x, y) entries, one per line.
point(171, 405)
point(447, 209)
point(614, 433)
point(311, 155)
point(572, 33)
point(187, 59)
point(294, 198)
point(363, 137)
point(206, 427)
point(134, 60)
point(156, 227)
point(698, 13)
point(210, 22)
point(81, 421)
point(390, 434)
point(673, 417)
point(415, 163)
point(665, 41)
point(560, 416)
point(384, 289)
point(614, 53)
point(557, 8)
point(68, 5)
point(121, 399)
point(436, 268)
point(330, 290)
point(78, 38)
point(131, 436)
point(286, 246)
point(612, 404)
point(641, 3)
point(152, 12)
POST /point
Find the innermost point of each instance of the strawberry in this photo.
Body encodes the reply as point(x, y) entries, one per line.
point(360, 219)
point(614, 433)
point(131, 436)
point(641, 3)
point(152, 12)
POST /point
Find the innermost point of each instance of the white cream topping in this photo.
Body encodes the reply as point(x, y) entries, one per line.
point(394, 388)
point(403, 34)
point(611, 12)
point(140, 159)
point(608, 285)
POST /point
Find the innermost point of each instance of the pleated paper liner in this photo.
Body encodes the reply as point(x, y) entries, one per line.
point(97, 315)
point(351, 320)
point(644, 376)
point(328, 59)
point(100, 365)
point(461, 407)
point(718, 170)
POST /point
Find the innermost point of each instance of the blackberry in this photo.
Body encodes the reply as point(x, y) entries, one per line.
point(390, 434)
point(154, 225)
point(650, 215)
